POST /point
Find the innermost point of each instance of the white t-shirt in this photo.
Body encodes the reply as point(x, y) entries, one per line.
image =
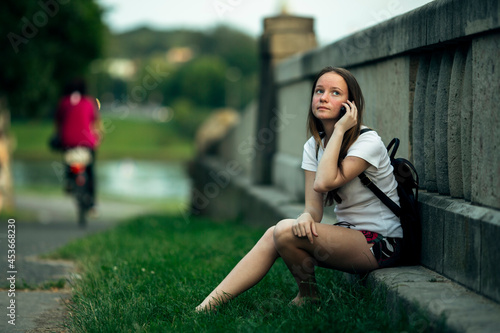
point(360, 206)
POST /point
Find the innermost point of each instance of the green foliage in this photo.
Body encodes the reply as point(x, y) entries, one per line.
point(236, 48)
point(188, 116)
point(149, 274)
point(223, 60)
point(202, 80)
point(220, 70)
point(144, 43)
point(44, 44)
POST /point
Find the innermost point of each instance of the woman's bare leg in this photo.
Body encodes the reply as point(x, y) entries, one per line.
point(335, 247)
point(247, 273)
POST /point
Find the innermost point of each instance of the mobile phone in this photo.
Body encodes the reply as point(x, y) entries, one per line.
point(342, 111)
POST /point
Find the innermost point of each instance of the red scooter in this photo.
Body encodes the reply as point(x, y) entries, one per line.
point(77, 160)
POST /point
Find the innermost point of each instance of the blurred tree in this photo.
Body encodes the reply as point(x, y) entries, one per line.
point(143, 43)
point(152, 74)
point(191, 72)
point(188, 116)
point(203, 81)
point(238, 49)
point(216, 49)
point(44, 44)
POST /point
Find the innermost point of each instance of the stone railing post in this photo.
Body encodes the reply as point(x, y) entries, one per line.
point(283, 36)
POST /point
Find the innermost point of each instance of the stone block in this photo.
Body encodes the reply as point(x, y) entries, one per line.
point(284, 44)
point(419, 116)
point(480, 16)
point(462, 245)
point(416, 28)
point(432, 213)
point(290, 126)
point(243, 144)
point(460, 240)
point(289, 70)
point(446, 303)
point(466, 126)
point(441, 123)
point(286, 23)
point(450, 14)
point(390, 117)
point(431, 21)
point(261, 205)
point(430, 123)
point(225, 205)
point(288, 175)
point(314, 62)
point(290, 210)
point(490, 254)
point(215, 190)
point(426, 26)
point(446, 20)
point(456, 95)
point(486, 121)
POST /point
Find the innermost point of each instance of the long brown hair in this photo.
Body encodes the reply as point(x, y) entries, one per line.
point(315, 127)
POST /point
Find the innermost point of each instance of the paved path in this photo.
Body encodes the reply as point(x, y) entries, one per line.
point(53, 224)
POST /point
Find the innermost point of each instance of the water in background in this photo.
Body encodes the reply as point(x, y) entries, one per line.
point(125, 178)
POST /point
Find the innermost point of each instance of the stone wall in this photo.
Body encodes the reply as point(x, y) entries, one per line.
point(432, 78)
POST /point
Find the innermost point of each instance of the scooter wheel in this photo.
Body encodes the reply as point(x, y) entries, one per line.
point(82, 215)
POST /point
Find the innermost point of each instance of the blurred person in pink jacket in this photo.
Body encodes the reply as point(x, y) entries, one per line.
point(77, 119)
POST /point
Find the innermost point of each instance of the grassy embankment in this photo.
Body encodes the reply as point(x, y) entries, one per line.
point(148, 274)
point(124, 138)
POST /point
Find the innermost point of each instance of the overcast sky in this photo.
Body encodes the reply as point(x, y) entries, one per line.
point(333, 18)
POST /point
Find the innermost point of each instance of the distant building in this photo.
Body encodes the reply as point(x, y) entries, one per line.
point(121, 68)
point(179, 54)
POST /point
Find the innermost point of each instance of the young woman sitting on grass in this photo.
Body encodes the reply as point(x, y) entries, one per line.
point(367, 236)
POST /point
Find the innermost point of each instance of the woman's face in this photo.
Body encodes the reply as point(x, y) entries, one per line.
point(329, 94)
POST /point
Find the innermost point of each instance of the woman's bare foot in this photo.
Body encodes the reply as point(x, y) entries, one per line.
point(301, 300)
point(208, 305)
point(205, 308)
point(211, 303)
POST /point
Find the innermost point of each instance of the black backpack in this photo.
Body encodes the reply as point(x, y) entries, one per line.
point(407, 179)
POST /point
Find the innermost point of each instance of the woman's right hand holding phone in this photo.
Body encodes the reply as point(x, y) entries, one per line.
point(349, 119)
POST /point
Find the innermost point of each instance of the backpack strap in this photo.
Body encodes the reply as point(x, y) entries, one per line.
point(366, 181)
point(379, 194)
point(364, 130)
point(394, 142)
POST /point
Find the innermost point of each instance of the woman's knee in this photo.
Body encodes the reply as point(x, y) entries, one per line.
point(283, 232)
point(269, 234)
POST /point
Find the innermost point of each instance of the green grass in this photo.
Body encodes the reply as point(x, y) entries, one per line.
point(124, 138)
point(9, 212)
point(148, 274)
